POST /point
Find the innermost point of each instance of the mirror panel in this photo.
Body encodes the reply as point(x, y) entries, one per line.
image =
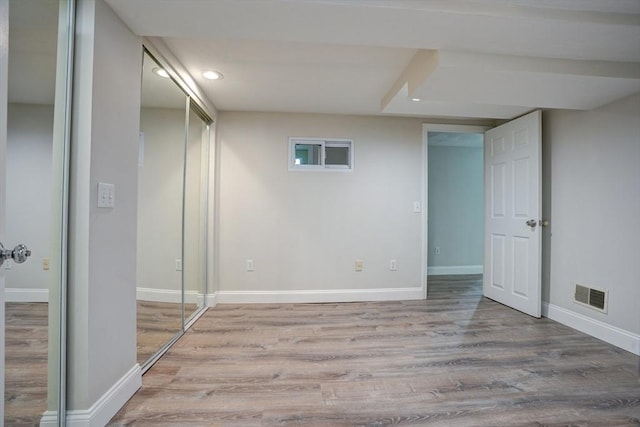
point(160, 193)
point(195, 225)
point(35, 177)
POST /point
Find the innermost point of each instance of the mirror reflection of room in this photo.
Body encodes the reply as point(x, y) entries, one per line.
point(172, 201)
point(195, 208)
point(35, 100)
point(160, 200)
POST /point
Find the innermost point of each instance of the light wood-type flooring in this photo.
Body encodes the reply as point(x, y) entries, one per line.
point(25, 363)
point(26, 352)
point(456, 359)
point(158, 323)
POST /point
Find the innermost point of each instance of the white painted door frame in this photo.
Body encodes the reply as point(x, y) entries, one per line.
point(426, 128)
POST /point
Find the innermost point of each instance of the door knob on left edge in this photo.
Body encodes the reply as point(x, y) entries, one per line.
point(532, 223)
point(19, 254)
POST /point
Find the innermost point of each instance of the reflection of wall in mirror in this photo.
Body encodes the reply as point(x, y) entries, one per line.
point(28, 219)
point(160, 203)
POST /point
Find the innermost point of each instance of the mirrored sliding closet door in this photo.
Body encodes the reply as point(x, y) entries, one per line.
point(35, 73)
point(172, 202)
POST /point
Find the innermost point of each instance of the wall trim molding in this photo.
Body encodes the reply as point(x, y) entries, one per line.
point(105, 407)
point(211, 300)
point(318, 296)
point(454, 269)
point(167, 295)
point(611, 334)
point(26, 295)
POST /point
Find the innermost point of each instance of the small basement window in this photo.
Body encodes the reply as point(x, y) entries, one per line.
point(319, 154)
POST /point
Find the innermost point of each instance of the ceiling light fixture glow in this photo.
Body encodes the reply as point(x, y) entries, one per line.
point(212, 75)
point(161, 72)
point(416, 99)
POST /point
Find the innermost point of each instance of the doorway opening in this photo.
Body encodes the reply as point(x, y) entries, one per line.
point(454, 242)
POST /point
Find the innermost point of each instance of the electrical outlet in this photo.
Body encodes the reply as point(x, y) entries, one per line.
point(437, 250)
point(178, 265)
point(359, 265)
point(250, 265)
point(46, 264)
point(393, 265)
point(8, 263)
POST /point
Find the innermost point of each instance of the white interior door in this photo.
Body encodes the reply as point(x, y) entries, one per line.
point(512, 274)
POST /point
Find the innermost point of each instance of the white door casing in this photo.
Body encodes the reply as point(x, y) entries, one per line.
point(512, 273)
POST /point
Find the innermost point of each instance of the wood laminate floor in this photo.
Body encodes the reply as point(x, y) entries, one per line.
point(26, 352)
point(456, 359)
point(25, 363)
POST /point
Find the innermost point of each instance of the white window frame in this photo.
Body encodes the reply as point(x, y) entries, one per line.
point(323, 143)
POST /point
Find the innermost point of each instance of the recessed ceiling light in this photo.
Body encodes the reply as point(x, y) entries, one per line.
point(212, 75)
point(161, 72)
point(416, 99)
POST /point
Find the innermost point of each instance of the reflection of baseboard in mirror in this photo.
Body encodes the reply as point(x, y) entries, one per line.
point(169, 295)
point(26, 295)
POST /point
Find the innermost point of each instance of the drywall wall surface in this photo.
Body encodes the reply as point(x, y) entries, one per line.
point(456, 206)
point(102, 247)
point(593, 174)
point(305, 230)
point(28, 212)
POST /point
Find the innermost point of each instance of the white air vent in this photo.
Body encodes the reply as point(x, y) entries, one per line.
point(591, 297)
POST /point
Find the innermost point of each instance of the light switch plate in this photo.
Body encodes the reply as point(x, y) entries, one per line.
point(106, 195)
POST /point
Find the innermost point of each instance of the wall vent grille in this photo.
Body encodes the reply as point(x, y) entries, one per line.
point(591, 297)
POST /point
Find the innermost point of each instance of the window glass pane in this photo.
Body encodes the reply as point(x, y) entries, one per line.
point(336, 156)
point(308, 154)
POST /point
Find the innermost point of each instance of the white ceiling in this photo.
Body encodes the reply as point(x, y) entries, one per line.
point(462, 58)
point(32, 51)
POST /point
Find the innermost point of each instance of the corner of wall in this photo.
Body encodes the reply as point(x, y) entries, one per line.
point(104, 408)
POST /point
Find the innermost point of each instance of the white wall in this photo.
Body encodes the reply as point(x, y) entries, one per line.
point(304, 230)
point(591, 177)
point(28, 214)
point(102, 246)
point(456, 208)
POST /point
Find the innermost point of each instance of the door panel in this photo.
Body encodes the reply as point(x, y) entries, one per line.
point(512, 198)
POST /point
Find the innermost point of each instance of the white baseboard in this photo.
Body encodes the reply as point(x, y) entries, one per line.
point(168, 295)
point(613, 335)
point(103, 409)
point(319, 296)
point(26, 295)
point(211, 300)
point(454, 269)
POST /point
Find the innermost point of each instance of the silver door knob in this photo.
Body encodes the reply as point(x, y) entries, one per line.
point(532, 223)
point(19, 254)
